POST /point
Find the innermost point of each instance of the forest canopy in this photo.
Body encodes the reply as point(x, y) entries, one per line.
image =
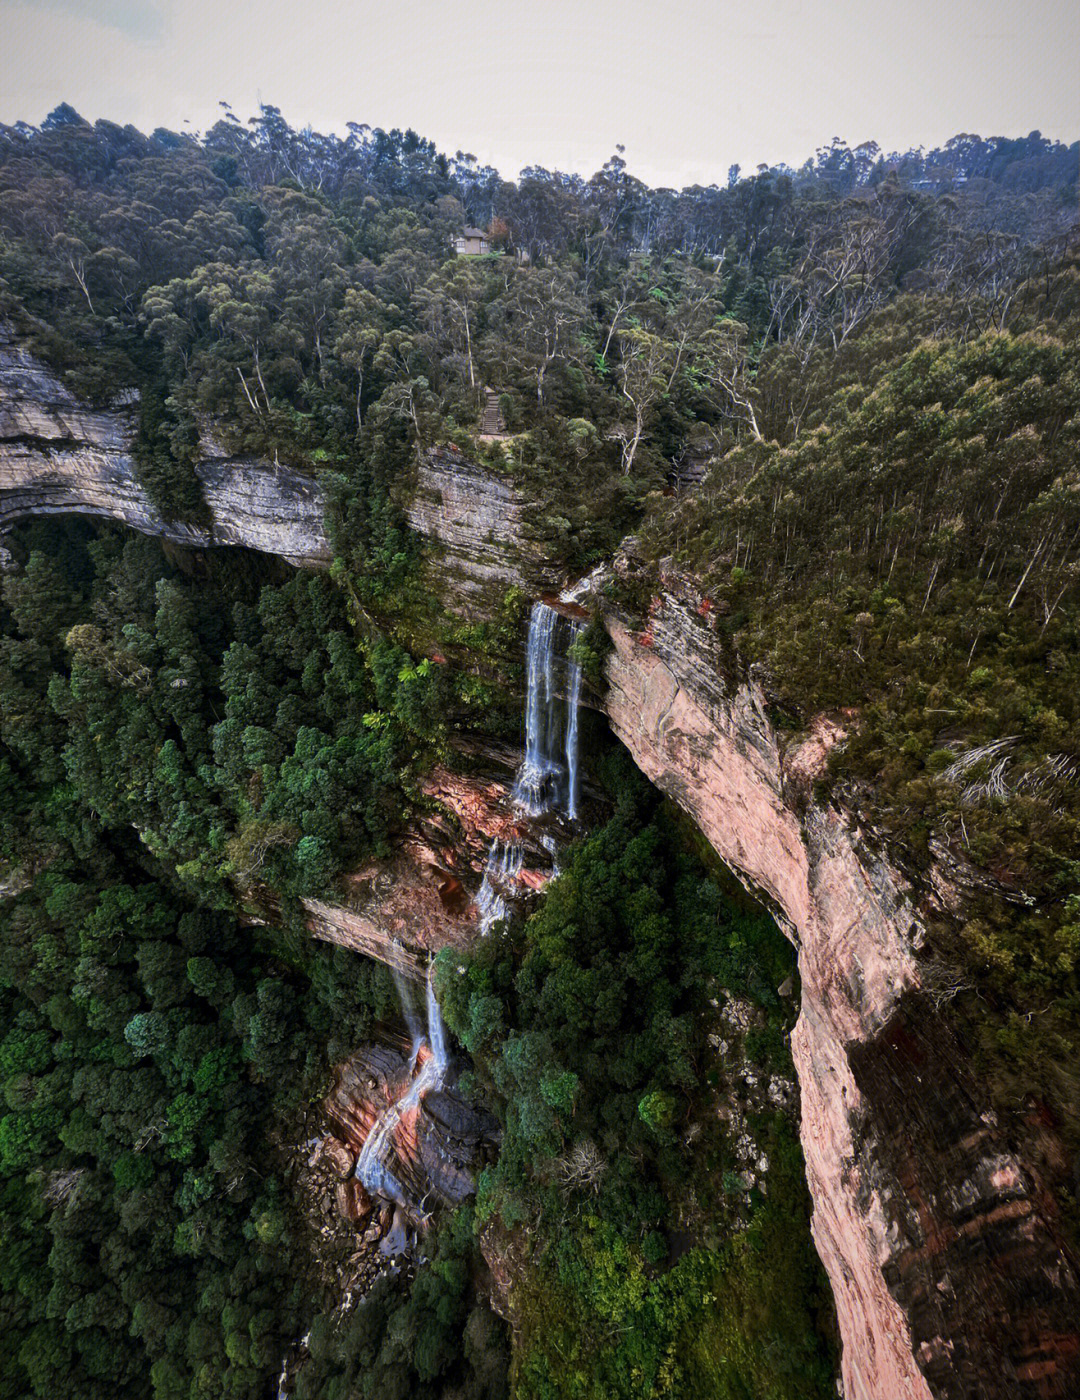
point(838, 404)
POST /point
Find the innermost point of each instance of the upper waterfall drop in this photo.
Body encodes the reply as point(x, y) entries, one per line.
point(530, 792)
point(547, 780)
point(573, 702)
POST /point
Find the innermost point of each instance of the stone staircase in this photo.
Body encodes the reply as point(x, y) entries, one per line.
point(492, 424)
point(689, 470)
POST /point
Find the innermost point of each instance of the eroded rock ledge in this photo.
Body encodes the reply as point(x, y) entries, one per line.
point(936, 1231)
point(938, 1237)
point(59, 457)
point(476, 522)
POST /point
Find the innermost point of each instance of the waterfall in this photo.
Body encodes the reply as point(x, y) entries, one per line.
point(504, 862)
point(371, 1167)
point(573, 698)
point(408, 1010)
point(547, 780)
point(436, 1033)
point(533, 777)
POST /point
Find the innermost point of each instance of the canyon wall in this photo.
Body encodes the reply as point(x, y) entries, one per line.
point(475, 522)
point(938, 1237)
point(933, 1224)
point(936, 1232)
point(59, 457)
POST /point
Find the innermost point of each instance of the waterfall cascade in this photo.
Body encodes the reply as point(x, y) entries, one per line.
point(408, 1010)
point(546, 785)
point(547, 781)
point(372, 1168)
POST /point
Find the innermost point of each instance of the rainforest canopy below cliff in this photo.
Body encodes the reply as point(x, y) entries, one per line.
point(840, 404)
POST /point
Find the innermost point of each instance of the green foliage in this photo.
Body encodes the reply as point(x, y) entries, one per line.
point(425, 1341)
point(165, 448)
point(152, 1051)
point(889, 526)
point(590, 1031)
point(909, 561)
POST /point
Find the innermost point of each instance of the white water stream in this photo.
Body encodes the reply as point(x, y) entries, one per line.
point(372, 1168)
point(547, 781)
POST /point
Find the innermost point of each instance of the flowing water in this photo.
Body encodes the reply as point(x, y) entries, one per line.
point(547, 781)
point(573, 702)
point(504, 862)
point(372, 1167)
point(546, 784)
point(408, 1010)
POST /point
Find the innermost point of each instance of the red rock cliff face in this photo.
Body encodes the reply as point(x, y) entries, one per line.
point(948, 1275)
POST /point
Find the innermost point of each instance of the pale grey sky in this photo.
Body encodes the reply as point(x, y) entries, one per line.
point(688, 86)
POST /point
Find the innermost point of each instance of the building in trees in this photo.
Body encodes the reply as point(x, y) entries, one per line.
point(472, 242)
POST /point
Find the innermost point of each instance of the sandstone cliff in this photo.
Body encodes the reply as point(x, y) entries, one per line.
point(939, 1241)
point(58, 457)
point(934, 1227)
point(475, 522)
point(937, 1234)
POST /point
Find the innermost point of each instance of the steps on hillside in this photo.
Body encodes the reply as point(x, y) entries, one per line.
point(492, 424)
point(689, 470)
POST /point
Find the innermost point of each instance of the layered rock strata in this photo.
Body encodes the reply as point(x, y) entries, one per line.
point(939, 1241)
point(400, 911)
point(477, 523)
point(59, 457)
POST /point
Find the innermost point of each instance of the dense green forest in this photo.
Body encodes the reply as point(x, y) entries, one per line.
point(158, 1054)
point(842, 401)
point(591, 1029)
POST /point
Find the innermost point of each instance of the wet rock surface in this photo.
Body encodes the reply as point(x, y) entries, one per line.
point(424, 898)
point(436, 1150)
point(356, 1236)
point(932, 1220)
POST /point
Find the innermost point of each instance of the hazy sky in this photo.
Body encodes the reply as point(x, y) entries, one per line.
point(688, 86)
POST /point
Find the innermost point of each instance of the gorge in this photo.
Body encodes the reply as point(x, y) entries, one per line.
point(935, 1222)
point(539, 765)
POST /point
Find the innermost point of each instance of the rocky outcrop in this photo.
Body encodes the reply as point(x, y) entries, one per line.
point(476, 522)
point(402, 910)
point(938, 1237)
point(59, 457)
point(933, 1223)
point(436, 1147)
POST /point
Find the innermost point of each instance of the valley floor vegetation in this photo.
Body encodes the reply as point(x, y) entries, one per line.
point(842, 402)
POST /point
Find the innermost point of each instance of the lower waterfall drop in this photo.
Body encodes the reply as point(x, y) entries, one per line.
point(372, 1168)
